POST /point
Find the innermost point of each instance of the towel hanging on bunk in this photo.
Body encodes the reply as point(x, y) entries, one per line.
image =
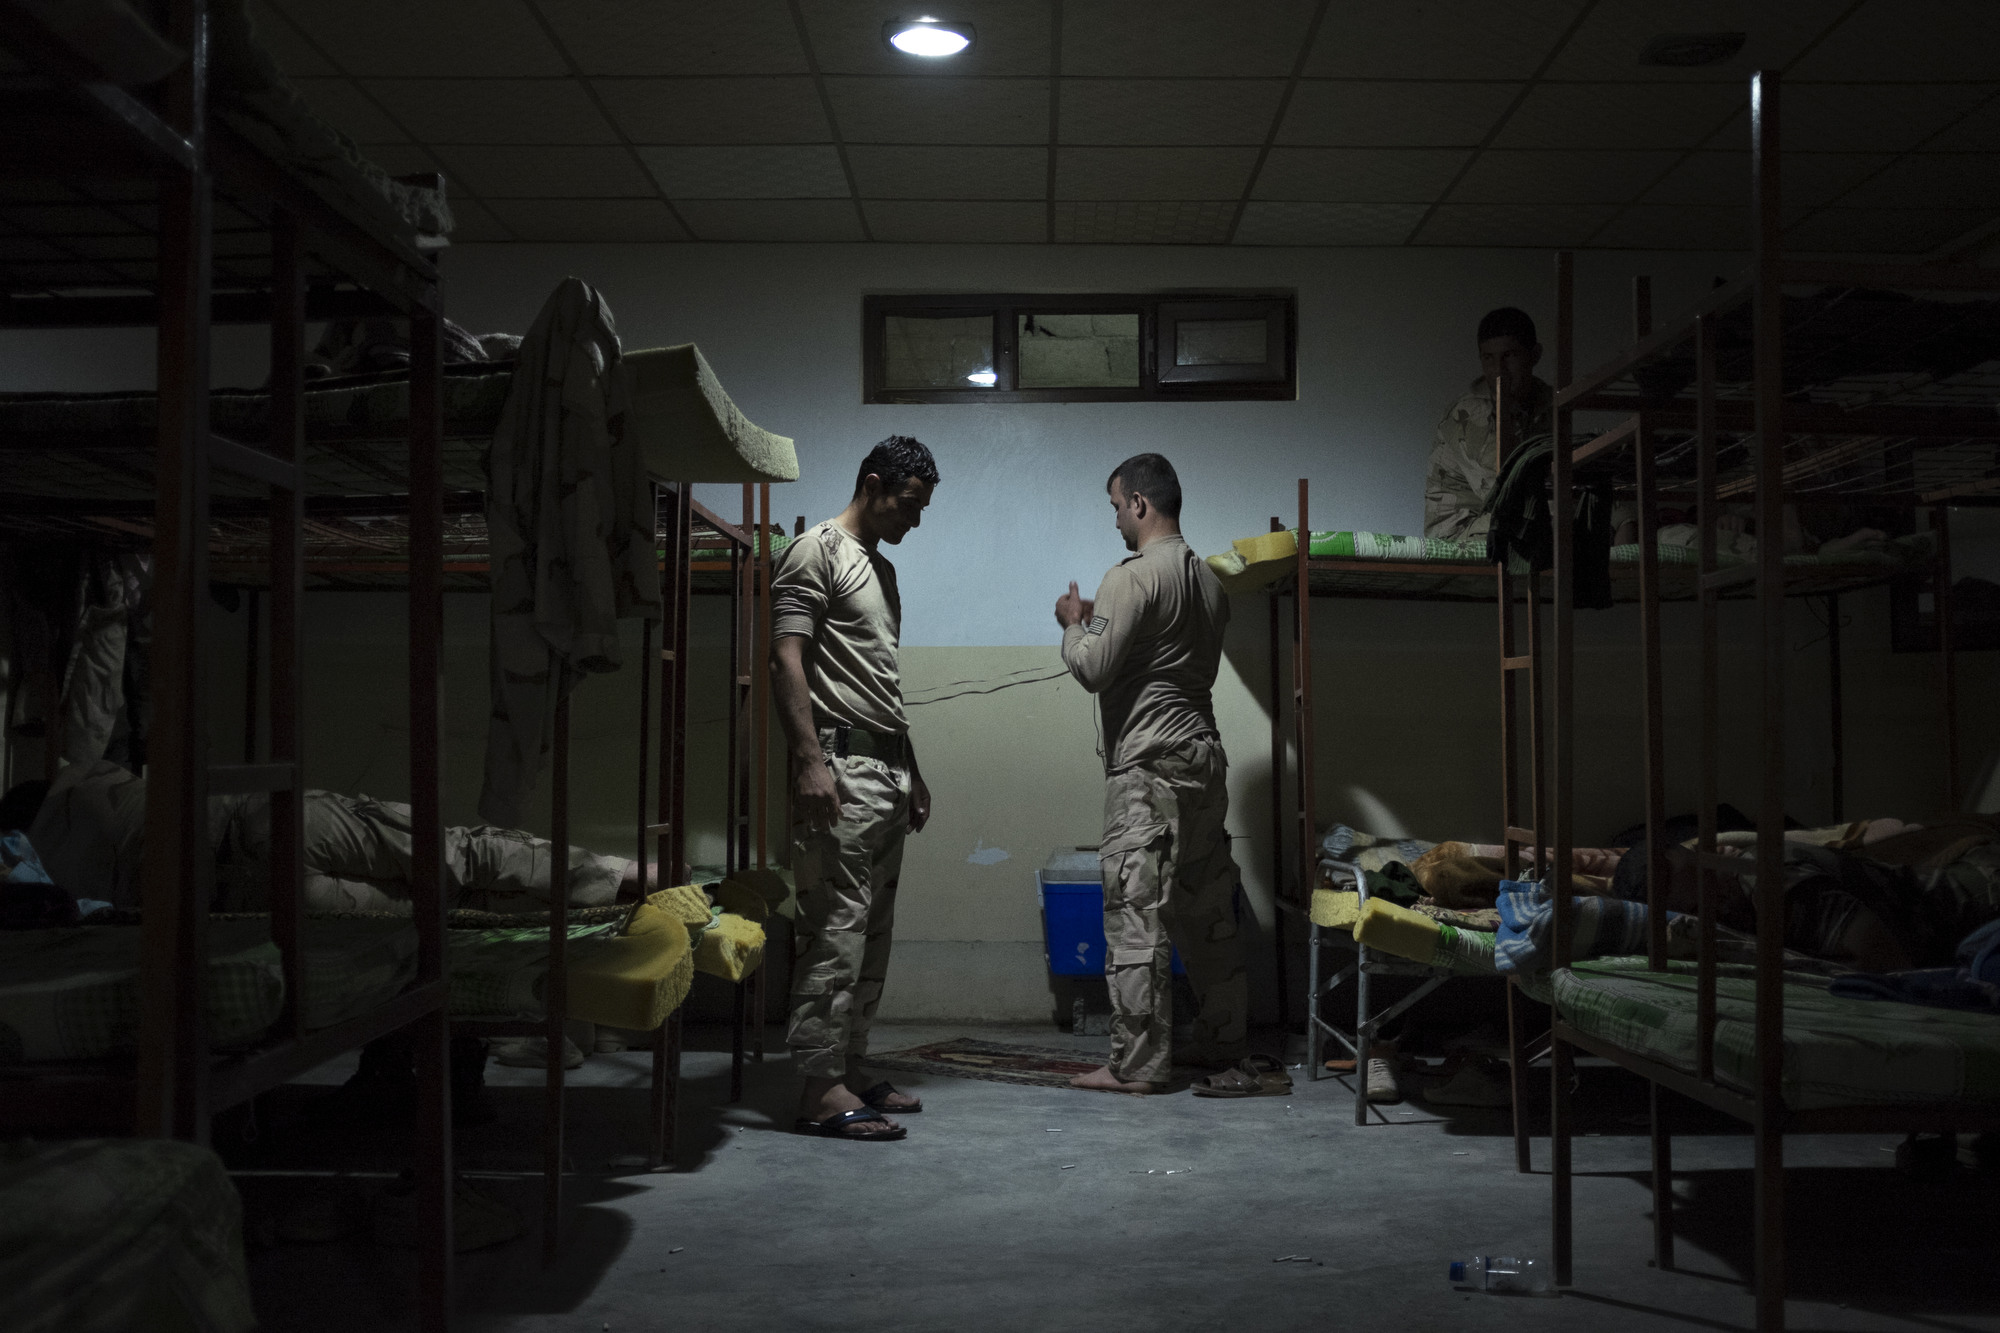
point(570, 527)
point(1522, 510)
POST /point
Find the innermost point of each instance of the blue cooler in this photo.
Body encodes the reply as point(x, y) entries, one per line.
point(1073, 915)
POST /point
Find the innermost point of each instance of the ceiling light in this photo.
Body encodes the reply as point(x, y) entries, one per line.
point(985, 377)
point(927, 37)
point(1684, 50)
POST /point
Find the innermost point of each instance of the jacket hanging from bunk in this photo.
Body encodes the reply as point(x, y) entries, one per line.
point(570, 526)
point(1522, 510)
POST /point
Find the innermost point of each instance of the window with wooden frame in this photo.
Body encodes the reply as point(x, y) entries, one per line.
point(1032, 348)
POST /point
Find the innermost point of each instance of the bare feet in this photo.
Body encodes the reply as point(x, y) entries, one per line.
point(825, 1098)
point(1102, 1079)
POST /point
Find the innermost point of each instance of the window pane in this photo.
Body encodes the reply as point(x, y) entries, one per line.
point(1078, 351)
point(937, 351)
point(1221, 342)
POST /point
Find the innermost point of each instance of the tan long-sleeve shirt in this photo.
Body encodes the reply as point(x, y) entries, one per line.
point(1151, 650)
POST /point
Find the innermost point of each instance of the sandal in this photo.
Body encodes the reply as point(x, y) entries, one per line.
point(835, 1126)
point(879, 1095)
point(1253, 1076)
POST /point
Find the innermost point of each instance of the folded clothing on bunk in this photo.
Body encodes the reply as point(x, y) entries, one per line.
point(1598, 926)
point(1522, 531)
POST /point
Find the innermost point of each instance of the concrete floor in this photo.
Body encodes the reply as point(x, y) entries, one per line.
point(974, 1222)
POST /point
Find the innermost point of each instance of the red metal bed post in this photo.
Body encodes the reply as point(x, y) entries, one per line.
point(652, 856)
point(1511, 661)
point(1941, 604)
point(1302, 703)
point(1768, 317)
point(427, 891)
point(1655, 777)
point(1278, 890)
point(760, 672)
point(172, 1071)
point(288, 327)
point(742, 573)
point(1707, 514)
point(1561, 803)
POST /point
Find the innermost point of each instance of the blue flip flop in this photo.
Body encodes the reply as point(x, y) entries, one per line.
point(879, 1095)
point(835, 1126)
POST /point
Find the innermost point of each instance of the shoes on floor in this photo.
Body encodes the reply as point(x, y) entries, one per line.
point(532, 1052)
point(1382, 1084)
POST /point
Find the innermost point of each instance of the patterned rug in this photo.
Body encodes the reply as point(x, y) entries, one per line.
point(990, 1061)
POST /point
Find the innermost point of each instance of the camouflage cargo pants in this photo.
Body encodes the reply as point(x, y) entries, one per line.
point(358, 857)
point(1169, 881)
point(846, 878)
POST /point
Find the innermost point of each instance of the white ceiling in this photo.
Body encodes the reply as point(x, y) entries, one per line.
point(1279, 122)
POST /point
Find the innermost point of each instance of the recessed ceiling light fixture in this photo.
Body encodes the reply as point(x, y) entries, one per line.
point(1685, 50)
point(929, 38)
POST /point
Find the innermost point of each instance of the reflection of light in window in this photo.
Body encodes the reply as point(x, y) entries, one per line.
point(928, 38)
point(985, 377)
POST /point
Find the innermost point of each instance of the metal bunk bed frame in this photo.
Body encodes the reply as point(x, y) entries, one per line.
point(1776, 422)
point(178, 1086)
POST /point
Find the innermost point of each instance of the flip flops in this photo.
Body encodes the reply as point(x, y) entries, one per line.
point(879, 1095)
point(835, 1126)
point(1252, 1076)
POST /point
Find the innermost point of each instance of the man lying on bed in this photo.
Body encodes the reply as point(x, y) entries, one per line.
point(89, 830)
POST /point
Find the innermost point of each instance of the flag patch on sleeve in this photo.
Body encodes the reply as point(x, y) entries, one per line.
point(1098, 624)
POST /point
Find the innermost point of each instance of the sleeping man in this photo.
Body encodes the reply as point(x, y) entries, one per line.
point(89, 831)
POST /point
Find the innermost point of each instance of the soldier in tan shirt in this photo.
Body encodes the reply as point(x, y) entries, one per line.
point(1149, 646)
point(836, 623)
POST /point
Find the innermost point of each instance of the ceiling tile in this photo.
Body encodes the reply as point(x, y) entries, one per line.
point(1893, 231)
point(1529, 176)
point(1540, 226)
point(432, 39)
point(1932, 180)
point(345, 107)
point(772, 219)
point(931, 220)
point(476, 223)
point(1620, 115)
point(667, 37)
point(1326, 224)
point(1008, 37)
point(1183, 37)
point(589, 219)
point(749, 171)
point(297, 57)
point(1153, 173)
point(1395, 115)
point(1402, 41)
point(403, 159)
point(1860, 118)
point(1809, 180)
point(1359, 175)
point(1146, 222)
point(1677, 227)
point(518, 171)
point(883, 171)
point(488, 111)
point(941, 110)
point(1910, 39)
point(1167, 111)
point(1607, 44)
point(695, 111)
point(1978, 132)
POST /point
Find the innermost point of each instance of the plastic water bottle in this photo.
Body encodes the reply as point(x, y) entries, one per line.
point(1501, 1273)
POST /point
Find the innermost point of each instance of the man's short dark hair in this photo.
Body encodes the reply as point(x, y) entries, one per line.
point(1508, 322)
point(895, 460)
point(1152, 476)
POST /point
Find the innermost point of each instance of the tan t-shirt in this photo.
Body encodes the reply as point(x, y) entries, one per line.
point(831, 589)
point(1151, 650)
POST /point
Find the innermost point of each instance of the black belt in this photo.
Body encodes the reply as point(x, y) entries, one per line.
point(891, 747)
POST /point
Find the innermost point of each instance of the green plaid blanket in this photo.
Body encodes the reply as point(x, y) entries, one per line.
point(1838, 1052)
point(498, 973)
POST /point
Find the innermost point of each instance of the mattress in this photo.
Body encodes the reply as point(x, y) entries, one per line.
point(103, 1236)
point(73, 993)
point(1838, 1051)
point(731, 948)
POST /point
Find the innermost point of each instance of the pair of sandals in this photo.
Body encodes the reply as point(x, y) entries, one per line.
point(1252, 1076)
point(876, 1101)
